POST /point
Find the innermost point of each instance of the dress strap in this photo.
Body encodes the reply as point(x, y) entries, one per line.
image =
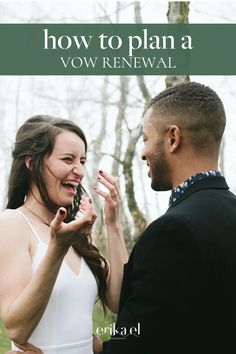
point(31, 227)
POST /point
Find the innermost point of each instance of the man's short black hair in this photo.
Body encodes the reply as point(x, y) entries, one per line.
point(195, 108)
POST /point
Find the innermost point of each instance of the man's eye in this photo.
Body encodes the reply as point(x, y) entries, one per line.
point(83, 162)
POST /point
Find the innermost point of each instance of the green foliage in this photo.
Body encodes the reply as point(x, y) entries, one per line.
point(101, 321)
point(4, 341)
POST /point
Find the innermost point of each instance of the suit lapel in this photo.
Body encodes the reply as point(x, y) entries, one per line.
point(206, 183)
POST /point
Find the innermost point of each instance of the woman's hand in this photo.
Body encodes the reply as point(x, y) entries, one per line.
point(85, 204)
point(117, 252)
point(64, 235)
point(111, 197)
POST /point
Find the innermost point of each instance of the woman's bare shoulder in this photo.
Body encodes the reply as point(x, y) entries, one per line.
point(12, 223)
point(9, 213)
point(11, 216)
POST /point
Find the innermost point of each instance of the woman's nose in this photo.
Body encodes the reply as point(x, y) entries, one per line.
point(78, 170)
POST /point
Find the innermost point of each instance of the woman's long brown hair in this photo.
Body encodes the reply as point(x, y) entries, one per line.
point(35, 139)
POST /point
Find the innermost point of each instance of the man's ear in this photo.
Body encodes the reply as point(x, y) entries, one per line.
point(28, 161)
point(174, 138)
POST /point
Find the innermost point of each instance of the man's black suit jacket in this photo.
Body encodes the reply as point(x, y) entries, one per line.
point(180, 281)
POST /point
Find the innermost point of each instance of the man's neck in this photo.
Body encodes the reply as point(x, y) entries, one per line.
point(179, 191)
point(185, 171)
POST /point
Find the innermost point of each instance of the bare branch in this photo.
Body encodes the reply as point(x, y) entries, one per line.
point(113, 156)
point(140, 79)
point(143, 89)
point(106, 16)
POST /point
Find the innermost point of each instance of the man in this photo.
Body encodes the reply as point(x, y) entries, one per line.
point(179, 286)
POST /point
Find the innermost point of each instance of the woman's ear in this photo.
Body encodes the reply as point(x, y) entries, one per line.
point(28, 161)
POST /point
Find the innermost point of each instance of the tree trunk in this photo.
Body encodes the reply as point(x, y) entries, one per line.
point(138, 218)
point(96, 154)
point(122, 105)
point(178, 12)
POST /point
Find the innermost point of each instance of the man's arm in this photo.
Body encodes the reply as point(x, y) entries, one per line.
point(167, 270)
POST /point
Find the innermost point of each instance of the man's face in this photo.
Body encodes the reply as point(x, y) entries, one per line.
point(154, 154)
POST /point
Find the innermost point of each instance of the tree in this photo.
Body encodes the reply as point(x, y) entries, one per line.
point(178, 12)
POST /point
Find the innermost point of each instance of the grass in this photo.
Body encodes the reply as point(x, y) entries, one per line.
point(4, 341)
point(99, 321)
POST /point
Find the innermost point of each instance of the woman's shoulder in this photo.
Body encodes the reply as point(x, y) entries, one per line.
point(10, 214)
point(11, 222)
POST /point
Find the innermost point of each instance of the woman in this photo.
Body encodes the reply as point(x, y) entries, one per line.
point(51, 272)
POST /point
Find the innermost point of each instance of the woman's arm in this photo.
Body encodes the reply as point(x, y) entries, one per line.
point(117, 251)
point(27, 349)
point(23, 295)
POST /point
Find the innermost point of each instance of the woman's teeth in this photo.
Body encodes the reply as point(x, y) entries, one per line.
point(72, 184)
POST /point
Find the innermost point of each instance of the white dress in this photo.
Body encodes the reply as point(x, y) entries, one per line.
point(66, 325)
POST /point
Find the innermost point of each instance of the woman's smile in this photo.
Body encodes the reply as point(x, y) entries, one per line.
point(70, 186)
point(66, 171)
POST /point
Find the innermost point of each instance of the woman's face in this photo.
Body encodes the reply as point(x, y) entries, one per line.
point(64, 168)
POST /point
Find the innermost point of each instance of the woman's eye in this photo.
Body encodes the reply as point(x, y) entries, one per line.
point(67, 159)
point(83, 162)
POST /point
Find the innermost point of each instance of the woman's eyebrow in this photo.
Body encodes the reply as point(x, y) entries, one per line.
point(72, 155)
point(67, 153)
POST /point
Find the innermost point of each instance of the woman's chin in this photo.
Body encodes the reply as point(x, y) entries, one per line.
point(65, 202)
